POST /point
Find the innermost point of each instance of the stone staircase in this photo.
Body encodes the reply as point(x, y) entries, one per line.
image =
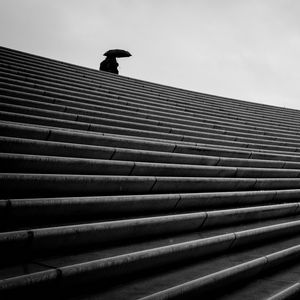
point(117, 188)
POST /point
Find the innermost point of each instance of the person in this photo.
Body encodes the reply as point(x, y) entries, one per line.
point(109, 64)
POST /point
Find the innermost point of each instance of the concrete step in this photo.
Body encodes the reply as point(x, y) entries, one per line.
point(291, 292)
point(125, 104)
point(24, 163)
point(113, 187)
point(121, 130)
point(207, 285)
point(260, 286)
point(62, 238)
point(112, 268)
point(100, 251)
point(40, 132)
point(142, 84)
point(8, 77)
point(135, 125)
point(51, 185)
point(19, 212)
point(67, 106)
point(165, 119)
point(60, 149)
point(268, 284)
point(110, 120)
point(23, 72)
point(218, 99)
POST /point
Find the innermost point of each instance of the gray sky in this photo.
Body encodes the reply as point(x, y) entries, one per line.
point(245, 49)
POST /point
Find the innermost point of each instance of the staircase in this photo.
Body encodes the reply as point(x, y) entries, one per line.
point(117, 188)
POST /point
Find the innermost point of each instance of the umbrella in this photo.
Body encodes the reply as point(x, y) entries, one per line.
point(117, 53)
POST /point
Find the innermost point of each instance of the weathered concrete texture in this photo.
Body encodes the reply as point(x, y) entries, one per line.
point(292, 292)
point(63, 237)
point(117, 188)
point(233, 275)
point(71, 185)
point(114, 267)
point(112, 206)
point(24, 163)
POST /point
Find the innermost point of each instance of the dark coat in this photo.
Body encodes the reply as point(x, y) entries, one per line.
point(109, 65)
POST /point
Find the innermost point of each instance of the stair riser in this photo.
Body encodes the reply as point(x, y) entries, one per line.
point(38, 241)
point(126, 265)
point(34, 92)
point(18, 163)
point(15, 59)
point(39, 211)
point(57, 135)
point(37, 147)
point(13, 96)
point(18, 109)
point(49, 85)
point(39, 185)
point(115, 187)
point(291, 293)
point(217, 282)
point(27, 119)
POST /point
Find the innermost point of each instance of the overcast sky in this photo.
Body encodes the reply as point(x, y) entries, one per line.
point(245, 49)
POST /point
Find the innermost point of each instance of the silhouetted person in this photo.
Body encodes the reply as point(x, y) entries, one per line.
point(109, 64)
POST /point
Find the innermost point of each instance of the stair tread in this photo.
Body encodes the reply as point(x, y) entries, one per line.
point(117, 187)
point(163, 279)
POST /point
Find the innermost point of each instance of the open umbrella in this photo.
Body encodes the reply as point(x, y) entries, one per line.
point(117, 53)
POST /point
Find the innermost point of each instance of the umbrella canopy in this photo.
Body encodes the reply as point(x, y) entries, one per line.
point(117, 53)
